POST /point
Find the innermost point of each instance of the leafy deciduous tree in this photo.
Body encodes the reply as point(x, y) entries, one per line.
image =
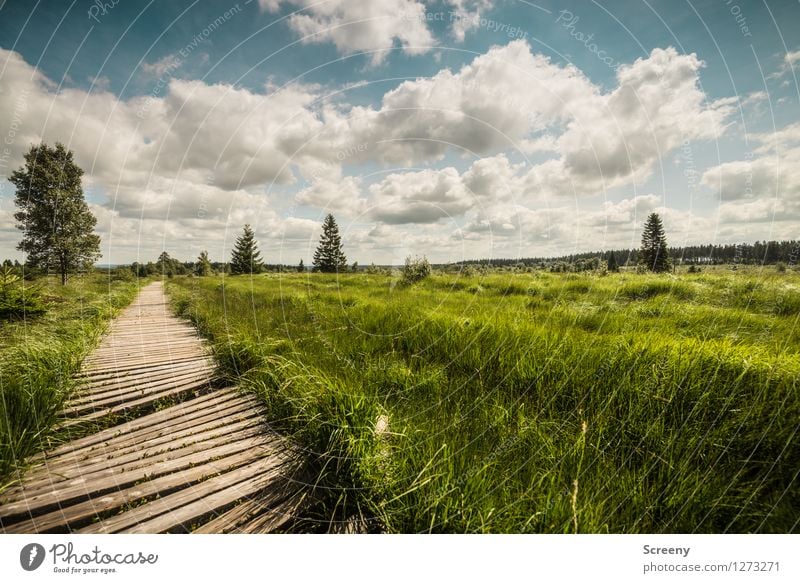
point(57, 224)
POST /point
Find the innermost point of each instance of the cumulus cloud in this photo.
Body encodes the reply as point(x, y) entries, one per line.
point(512, 98)
point(772, 172)
point(353, 27)
point(790, 59)
point(465, 15)
point(424, 196)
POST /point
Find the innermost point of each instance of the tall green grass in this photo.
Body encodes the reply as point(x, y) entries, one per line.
point(39, 355)
point(527, 402)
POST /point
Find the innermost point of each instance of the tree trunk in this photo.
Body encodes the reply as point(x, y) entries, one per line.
point(63, 277)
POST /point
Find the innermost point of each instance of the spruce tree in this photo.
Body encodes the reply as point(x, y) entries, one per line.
point(57, 224)
point(329, 258)
point(653, 253)
point(612, 262)
point(203, 266)
point(301, 268)
point(245, 257)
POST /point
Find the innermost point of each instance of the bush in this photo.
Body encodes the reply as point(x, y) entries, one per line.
point(416, 269)
point(780, 266)
point(17, 300)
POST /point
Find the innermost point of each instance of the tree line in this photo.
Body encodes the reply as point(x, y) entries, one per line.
point(758, 253)
point(58, 236)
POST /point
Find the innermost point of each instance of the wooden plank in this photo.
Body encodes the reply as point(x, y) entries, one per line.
point(197, 404)
point(141, 402)
point(69, 517)
point(140, 438)
point(95, 389)
point(266, 512)
point(82, 490)
point(277, 515)
point(146, 387)
point(110, 372)
point(180, 509)
point(146, 452)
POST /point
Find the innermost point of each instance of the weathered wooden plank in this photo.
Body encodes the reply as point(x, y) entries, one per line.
point(214, 399)
point(148, 453)
point(80, 490)
point(148, 386)
point(69, 517)
point(180, 509)
point(173, 391)
point(83, 468)
point(175, 427)
point(91, 374)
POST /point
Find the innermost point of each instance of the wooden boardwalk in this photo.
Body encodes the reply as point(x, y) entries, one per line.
point(178, 454)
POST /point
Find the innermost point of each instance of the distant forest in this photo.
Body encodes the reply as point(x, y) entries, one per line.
point(758, 253)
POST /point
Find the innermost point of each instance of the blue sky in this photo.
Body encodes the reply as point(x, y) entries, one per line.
point(457, 128)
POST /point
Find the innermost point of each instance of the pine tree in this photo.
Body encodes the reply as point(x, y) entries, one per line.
point(203, 266)
point(245, 257)
point(57, 224)
point(612, 262)
point(301, 268)
point(653, 254)
point(329, 258)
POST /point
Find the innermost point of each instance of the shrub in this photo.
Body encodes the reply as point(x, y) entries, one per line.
point(780, 266)
point(16, 299)
point(416, 269)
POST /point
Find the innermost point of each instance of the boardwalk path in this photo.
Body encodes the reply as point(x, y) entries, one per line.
point(180, 454)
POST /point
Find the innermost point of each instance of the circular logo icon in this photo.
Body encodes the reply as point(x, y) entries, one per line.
point(31, 556)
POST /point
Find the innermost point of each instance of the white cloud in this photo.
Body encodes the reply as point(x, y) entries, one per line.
point(512, 98)
point(787, 65)
point(424, 196)
point(167, 64)
point(773, 173)
point(342, 194)
point(353, 27)
point(465, 15)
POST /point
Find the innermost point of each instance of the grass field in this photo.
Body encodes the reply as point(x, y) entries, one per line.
point(531, 402)
point(38, 355)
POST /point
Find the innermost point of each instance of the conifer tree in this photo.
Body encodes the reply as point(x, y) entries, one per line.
point(329, 258)
point(57, 224)
point(613, 266)
point(246, 257)
point(301, 268)
point(653, 253)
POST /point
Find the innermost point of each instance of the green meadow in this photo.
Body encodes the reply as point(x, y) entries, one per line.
point(526, 402)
